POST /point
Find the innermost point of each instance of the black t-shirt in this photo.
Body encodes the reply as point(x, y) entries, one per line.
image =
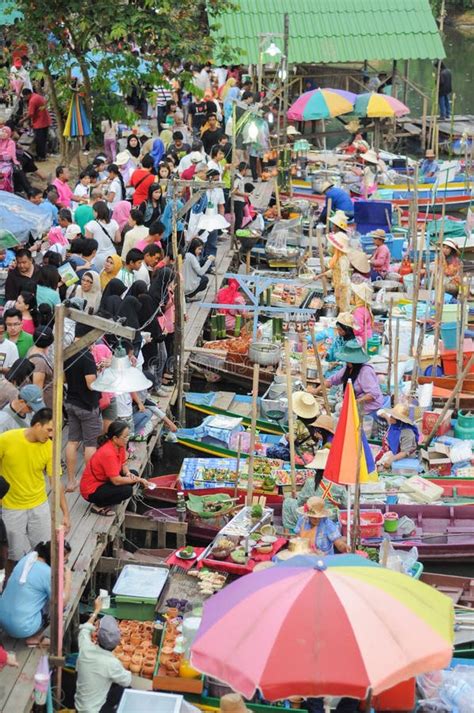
point(211, 138)
point(199, 112)
point(16, 283)
point(76, 369)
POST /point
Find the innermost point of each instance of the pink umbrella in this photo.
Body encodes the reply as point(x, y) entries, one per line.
point(321, 104)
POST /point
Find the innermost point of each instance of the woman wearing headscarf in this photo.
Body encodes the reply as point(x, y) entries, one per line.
point(344, 332)
point(232, 94)
point(121, 213)
point(112, 297)
point(361, 313)
point(89, 290)
point(134, 146)
point(112, 266)
point(154, 206)
point(7, 146)
point(229, 295)
point(157, 152)
point(129, 312)
point(162, 293)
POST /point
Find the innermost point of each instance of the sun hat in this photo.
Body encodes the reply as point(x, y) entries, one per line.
point(345, 318)
point(326, 185)
point(72, 231)
point(399, 412)
point(233, 703)
point(108, 635)
point(296, 546)
point(379, 234)
point(32, 395)
point(370, 157)
point(359, 261)
point(340, 241)
point(305, 405)
point(320, 459)
point(292, 131)
point(315, 507)
point(327, 422)
point(339, 219)
point(123, 158)
point(353, 353)
point(451, 244)
point(429, 153)
point(364, 291)
point(195, 156)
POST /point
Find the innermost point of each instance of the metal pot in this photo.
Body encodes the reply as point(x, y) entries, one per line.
point(264, 353)
point(390, 285)
point(329, 311)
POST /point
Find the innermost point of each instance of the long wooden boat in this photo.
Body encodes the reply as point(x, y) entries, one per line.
point(217, 449)
point(228, 403)
point(213, 369)
point(459, 589)
point(443, 533)
point(449, 382)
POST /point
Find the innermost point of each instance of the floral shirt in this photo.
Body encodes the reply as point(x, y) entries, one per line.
point(327, 532)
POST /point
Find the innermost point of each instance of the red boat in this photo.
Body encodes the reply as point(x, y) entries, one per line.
point(167, 487)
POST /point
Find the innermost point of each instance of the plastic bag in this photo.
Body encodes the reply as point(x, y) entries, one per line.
point(397, 560)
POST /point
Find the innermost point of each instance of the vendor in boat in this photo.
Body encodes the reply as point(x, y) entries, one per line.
point(380, 260)
point(362, 314)
point(312, 487)
point(338, 199)
point(306, 409)
point(429, 166)
point(339, 266)
point(364, 379)
point(373, 173)
point(344, 331)
point(452, 267)
point(360, 265)
point(315, 525)
point(229, 295)
point(401, 439)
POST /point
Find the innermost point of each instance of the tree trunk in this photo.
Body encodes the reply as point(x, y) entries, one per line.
point(57, 109)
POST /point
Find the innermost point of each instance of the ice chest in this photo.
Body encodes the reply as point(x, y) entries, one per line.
point(136, 592)
point(449, 358)
point(422, 490)
point(147, 702)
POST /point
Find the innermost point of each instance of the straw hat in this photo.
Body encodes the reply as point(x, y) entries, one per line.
point(123, 158)
point(353, 126)
point(359, 261)
point(296, 546)
point(352, 353)
point(429, 153)
point(305, 405)
point(292, 131)
point(339, 219)
point(451, 244)
point(326, 185)
point(320, 459)
point(326, 422)
point(378, 234)
point(340, 241)
point(400, 413)
point(315, 507)
point(233, 703)
point(345, 318)
point(364, 291)
point(370, 157)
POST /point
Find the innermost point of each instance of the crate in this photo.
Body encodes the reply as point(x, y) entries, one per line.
point(371, 523)
point(176, 684)
point(429, 420)
point(136, 608)
point(147, 702)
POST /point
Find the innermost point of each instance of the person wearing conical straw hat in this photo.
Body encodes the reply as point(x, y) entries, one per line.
point(316, 526)
point(306, 409)
point(429, 166)
point(344, 332)
point(380, 260)
point(362, 315)
point(371, 173)
point(360, 266)
point(452, 267)
point(401, 439)
point(340, 200)
point(339, 266)
point(315, 486)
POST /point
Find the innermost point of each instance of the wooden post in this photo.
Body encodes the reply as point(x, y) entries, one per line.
point(462, 327)
point(291, 427)
point(319, 367)
point(286, 67)
point(321, 258)
point(390, 345)
point(449, 401)
point(396, 377)
point(416, 289)
point(439, 289)
point(423, 122)
point(253, 428)
point(237, 466)
point(180, 307)
point(406, 70)
point(304, 361)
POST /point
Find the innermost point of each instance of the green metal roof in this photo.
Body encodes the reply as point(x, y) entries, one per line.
point(332, 31)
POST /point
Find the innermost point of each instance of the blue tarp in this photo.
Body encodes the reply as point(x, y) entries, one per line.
point(22, 218)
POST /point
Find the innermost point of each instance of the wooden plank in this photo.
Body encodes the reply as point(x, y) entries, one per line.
point(112, 565)
point(224, 400)
point(141, 522)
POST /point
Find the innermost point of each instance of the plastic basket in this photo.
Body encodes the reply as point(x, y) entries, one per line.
point(371, 523)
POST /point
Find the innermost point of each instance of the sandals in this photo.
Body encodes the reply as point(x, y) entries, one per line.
point(44, 642)
point(105, 512)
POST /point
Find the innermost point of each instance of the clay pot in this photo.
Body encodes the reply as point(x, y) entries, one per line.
point(167, 650)
point(148, 670)
point(135, 639)
point(135, 667)
point(172, 613)
point(126, 661)
point(128, 649)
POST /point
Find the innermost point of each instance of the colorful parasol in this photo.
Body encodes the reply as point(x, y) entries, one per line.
point(378, 106)
point(77, 122)
point(341, 465)
point(321, 104)
point(336, 631)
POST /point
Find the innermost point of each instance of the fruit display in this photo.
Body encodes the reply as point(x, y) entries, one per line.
point(136, 651)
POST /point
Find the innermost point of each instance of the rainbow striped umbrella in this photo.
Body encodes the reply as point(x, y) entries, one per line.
point(321, 104)
point(341, 465)
point(378, 106)
point(323, 631)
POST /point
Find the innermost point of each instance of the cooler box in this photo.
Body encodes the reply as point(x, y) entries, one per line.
point(449, 358)
point(147, 702)
point(136, 592)
point(372, 215)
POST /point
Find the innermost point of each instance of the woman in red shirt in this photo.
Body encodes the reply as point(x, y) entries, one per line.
point(107, 480)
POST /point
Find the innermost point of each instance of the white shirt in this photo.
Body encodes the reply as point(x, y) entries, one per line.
point(143, 274)
point(8, 354)
point(124, 405)
point(116, 188)
point(216, 166)
point(104, 233)
point(23, 74)
point(97, 669)
point(82, 191)
point(215, 198)
point(132, 237)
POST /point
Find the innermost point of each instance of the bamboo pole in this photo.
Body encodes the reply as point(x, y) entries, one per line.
point(462, 327)
point(237, 466)
point(304, 361)
point(291, 427)
point(439, 289)
point(390, 345)
point(416, 288)
point(319, 367)
point(449, 401)
point(321, 261)
point(253, 428)
point(396, 378)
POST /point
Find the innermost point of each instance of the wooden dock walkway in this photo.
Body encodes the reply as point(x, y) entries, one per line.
point(91, 534)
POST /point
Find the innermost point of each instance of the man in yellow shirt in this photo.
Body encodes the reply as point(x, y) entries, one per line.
point(25, 455)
